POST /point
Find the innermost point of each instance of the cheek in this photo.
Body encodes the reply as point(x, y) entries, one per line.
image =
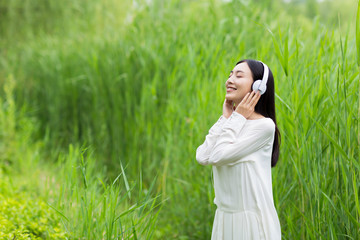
point(248, 85)
point(245, 86)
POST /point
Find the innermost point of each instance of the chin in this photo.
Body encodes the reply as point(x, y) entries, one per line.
point(231, 97)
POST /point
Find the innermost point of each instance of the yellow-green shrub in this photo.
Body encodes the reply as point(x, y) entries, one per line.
point(23, 217)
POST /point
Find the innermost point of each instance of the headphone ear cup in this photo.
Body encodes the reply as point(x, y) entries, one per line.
point(256, 85)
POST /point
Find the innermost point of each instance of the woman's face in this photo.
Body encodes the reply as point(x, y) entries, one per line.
point(241, 79)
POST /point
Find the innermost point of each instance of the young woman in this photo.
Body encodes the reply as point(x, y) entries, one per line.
point(243, 146)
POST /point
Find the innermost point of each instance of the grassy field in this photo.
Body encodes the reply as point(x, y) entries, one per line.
point(103, 104)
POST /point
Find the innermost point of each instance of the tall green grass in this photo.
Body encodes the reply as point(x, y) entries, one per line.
point(93, 208)
point(70, 199)
point(143, 85)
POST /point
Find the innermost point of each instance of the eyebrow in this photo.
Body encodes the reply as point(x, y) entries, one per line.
point(237, 71)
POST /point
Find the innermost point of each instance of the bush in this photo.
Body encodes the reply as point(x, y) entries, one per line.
point(23, 217)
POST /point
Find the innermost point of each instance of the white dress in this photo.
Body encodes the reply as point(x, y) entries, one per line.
point(240, 152)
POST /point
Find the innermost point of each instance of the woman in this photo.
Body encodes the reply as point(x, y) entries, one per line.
point(243, 146)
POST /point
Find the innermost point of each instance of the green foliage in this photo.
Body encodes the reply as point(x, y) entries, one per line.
point(23, 217)
point(358, 33)
point(34, 206)
point(105, 207)
point(141, 82)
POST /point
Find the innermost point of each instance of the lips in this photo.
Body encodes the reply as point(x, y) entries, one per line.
point(229, 89)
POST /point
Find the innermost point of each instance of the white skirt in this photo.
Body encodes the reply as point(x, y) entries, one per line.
point(244, 225)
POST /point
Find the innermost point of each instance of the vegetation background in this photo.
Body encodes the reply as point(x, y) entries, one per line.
point(103, 104)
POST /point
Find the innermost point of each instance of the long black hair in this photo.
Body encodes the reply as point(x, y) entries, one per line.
point(266, 103)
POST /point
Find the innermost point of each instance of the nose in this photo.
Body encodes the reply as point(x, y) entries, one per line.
point(229, 80)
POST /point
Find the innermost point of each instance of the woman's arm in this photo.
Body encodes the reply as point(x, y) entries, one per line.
point(226, 129)
point(230, 146)
point(204, 150)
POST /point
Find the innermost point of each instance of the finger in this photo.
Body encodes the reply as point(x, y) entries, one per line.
point(251, 95)
point(245, 98)
point(258, 95)
point(255, 99)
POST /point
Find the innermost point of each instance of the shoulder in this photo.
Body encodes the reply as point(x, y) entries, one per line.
point(264, 125)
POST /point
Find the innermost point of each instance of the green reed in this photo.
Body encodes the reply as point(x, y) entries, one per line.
point(143, 85)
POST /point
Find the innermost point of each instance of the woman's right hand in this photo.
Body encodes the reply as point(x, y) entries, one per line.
point(228, 108)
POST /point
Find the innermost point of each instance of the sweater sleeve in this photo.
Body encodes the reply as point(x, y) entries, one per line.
point(204, 150)
point(232, 146)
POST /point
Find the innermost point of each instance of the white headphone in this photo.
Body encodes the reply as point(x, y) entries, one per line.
point(261, 84)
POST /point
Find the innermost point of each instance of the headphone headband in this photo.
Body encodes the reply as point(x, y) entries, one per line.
point(264, 80)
